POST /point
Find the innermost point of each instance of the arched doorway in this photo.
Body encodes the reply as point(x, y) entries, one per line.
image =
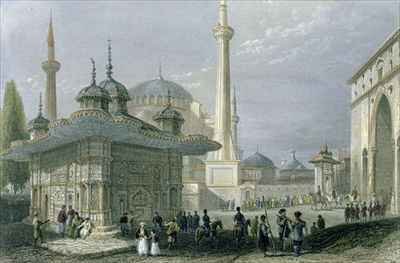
point(384, 169)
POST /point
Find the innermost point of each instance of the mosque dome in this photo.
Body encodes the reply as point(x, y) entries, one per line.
point(159, 88)
point(259, 160)
point(293, 164)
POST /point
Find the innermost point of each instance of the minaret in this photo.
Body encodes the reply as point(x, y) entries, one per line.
point(235, 122)
point(51, 66)
point(223, 33)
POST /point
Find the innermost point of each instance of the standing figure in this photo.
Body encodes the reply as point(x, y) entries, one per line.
point(157, 222)
point(347, 213)
point(321, 222)
point(263, 240)
point(254, 227)
point(70, 215)
point(364, 210)
point(61, 220)
point(357, 212)
point(299, 227)
point(370, 210)
point(85, 228)
point(123, 221)
point(284, 229)
point(352, 213)
point(37, 230)
point(142, 236)
point(354, 193)
point(74, 230)
point(155, 248)
point(195, 221)
point(377, 210)
point(206, 222)
point(172, 233)
point(184, 222)
point(190, 222)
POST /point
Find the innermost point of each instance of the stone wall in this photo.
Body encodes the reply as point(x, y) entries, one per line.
point(144, 181)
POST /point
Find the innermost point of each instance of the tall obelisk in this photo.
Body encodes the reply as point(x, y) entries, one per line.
point(51, 66)
point(222, 167)
point(223, 33)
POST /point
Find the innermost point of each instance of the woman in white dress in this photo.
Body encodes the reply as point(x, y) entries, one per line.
point(142, 237)
point(155, 249)
point(85, 227)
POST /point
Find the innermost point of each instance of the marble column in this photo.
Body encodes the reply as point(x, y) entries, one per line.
point(372, 171)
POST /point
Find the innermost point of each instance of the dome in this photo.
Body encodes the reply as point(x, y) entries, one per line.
point(293, 164)
point(258, 159)
point(159, 87)
point(93, 91)
point(170, 114)
point(115, 89)
point(39, 123)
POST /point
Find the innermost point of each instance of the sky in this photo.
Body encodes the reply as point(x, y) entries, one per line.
point(290, 60)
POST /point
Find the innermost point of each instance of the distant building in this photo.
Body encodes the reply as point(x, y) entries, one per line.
point(375, 115)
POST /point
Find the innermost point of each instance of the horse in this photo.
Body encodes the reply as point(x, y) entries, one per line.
point(202, 232)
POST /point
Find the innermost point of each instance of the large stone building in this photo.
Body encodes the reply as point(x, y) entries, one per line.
point(375, 115)
point(104, 162)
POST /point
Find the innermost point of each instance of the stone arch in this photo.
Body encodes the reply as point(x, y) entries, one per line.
point(382, 163)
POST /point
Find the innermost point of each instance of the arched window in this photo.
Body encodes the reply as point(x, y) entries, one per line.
point(140, 198)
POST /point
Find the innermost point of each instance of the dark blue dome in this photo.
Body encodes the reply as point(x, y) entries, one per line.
point(258, 159)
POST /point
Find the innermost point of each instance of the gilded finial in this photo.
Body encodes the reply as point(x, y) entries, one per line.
point(109, 65)
point(93, 71)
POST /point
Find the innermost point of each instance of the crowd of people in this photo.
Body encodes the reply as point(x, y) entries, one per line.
point(362, 212)
point(271, 202)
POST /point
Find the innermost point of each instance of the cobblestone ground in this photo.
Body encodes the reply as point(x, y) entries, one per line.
point(387, 254)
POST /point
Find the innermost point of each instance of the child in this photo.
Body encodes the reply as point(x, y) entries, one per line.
point(155, 249)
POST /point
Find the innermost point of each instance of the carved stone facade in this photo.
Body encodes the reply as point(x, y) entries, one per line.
point(102, 180)
point(375, 125)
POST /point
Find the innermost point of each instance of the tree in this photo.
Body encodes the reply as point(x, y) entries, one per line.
point(13, 128)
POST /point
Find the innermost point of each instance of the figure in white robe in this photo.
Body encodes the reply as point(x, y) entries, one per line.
point(142, 237)
point(86, 228)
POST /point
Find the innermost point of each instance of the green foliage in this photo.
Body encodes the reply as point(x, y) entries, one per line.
point(13, 127)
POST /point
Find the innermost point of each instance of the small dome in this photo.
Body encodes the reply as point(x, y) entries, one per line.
point(93, 91)
point(115, 89)
point(159, 87)
point(258, 159)
point(39, 123)
point(293, 164)
point(169, 113)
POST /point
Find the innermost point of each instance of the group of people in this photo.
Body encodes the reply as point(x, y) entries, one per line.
point(71, 223)
point(272, 202)
point(355, 212)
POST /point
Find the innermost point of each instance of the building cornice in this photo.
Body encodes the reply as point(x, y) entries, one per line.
point(389, 41)
point(383, 81)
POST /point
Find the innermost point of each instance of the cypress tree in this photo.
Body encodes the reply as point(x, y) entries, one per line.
point(13, 128)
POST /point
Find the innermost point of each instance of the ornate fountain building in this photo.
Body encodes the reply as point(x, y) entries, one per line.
point(105, 162)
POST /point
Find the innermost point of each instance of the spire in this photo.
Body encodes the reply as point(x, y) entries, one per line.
point(223, 13)
point(169, 98)
point(109, 65)
point(50, 36)
point(93, 71)
point(293, 152)
point(234, 102)
point(160, 71)
point(40, 104)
